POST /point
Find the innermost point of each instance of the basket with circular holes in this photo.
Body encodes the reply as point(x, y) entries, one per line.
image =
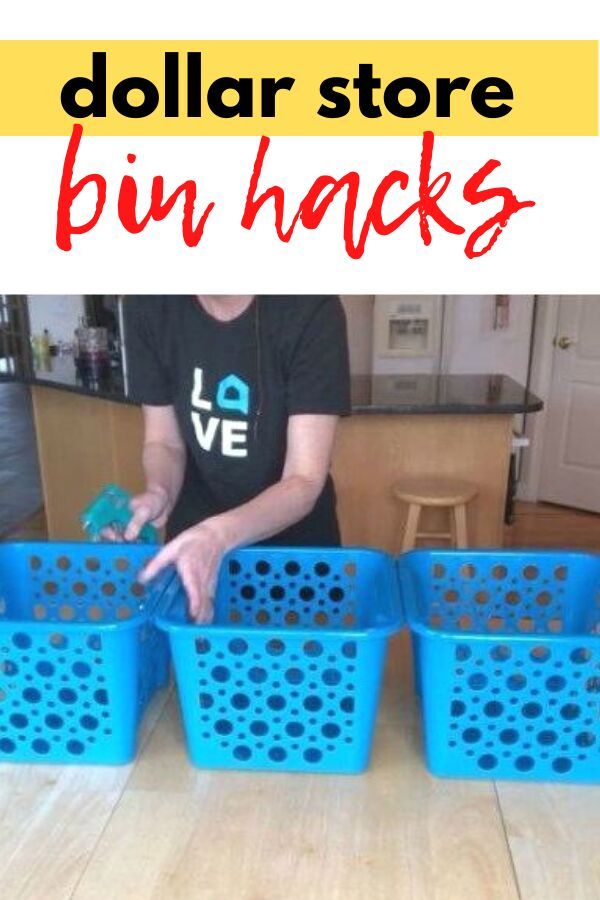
point(288, 676)
point(80, 657)
point(507, 661)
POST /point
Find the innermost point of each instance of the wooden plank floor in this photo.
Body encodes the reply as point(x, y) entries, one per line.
point(160, 829)
point(33, 529)
point(546, 525)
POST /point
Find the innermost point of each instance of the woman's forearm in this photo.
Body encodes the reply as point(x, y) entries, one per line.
point(198, 551)
point(275, 509)
point(308, 458)
point(164, 467)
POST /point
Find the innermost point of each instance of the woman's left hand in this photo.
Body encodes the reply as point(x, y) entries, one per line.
point(196, 554)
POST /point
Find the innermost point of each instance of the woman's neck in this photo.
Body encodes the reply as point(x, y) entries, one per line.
point(225, 307)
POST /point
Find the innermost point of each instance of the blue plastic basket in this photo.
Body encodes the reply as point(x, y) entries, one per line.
point(79, 655)
point(288, 676)
point(507, 661)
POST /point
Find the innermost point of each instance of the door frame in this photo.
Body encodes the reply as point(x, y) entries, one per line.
point(542, 365)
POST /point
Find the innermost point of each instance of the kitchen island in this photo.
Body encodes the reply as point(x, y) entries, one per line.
point(89, 433)
point(416, 426)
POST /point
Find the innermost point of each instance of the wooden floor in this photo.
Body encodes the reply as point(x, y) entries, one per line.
point(160, 829)
point(33, 529)
point(546, 525)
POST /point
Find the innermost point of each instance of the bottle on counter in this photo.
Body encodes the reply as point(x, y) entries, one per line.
point(93, 359)
point(40, 351)
point(36, 350)
point(45, 348)
point(78, 338)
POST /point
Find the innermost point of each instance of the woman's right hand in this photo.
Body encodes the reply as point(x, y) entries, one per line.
point(152, 506)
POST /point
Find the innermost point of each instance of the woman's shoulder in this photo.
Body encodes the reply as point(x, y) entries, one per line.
point(156, 315)
point(297, 310)
point(154, 306)
point(297, 321)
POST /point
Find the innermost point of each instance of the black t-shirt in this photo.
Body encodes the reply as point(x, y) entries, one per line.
point(233, 386)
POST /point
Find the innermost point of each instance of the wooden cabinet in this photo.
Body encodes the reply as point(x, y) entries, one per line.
point(85, 442)
point(373, 451)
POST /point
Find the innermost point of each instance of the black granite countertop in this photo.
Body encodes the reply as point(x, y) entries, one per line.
point(62, 373)
point(376, 394)
point(441, 394)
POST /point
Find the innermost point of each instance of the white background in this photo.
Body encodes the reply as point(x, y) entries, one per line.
point(552, 248)
point(336, 19)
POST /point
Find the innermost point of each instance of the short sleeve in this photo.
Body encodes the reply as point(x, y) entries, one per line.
point(319, 373)
point(148, 379)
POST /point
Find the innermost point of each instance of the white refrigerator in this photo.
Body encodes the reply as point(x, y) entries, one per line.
point(452, 334)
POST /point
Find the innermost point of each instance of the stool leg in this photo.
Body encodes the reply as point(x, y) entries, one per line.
point(412, 524)
point(460, 524)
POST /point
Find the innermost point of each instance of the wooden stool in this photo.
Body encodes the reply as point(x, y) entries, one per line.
point(435, 492)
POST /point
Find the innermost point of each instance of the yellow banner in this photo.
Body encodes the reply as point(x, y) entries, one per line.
point(299, 87)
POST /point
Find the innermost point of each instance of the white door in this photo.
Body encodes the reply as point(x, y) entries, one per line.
point(571, 454)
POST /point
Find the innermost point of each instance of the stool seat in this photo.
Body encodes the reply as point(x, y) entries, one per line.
point(446, 493)
point(434, 491)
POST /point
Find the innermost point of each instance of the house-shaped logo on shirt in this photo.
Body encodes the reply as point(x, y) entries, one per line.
point(215, 433)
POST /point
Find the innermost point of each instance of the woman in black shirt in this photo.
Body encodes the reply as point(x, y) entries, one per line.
point(241, 397)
